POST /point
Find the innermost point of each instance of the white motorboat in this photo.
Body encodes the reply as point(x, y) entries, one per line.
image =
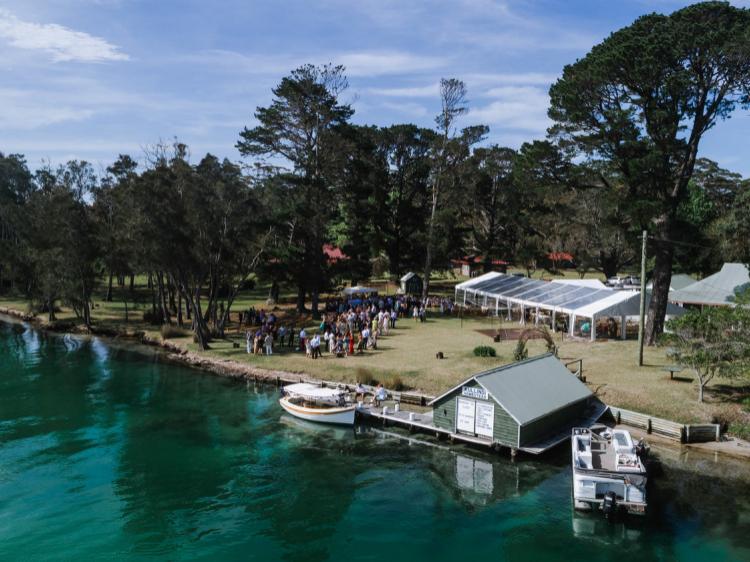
point(608, 471)
point(317, 404)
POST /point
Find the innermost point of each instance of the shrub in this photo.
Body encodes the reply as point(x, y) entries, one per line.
point(395, 382)
point(485, 351)
point(153, 317)
point(363, 376)
point(520, 353)
point(169, 331)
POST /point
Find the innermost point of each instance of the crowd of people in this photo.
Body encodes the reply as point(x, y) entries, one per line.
point(349, 325)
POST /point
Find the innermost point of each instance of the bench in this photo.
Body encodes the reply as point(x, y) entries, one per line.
point(672, 369)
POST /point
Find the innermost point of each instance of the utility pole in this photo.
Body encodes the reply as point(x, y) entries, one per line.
point(642, 320)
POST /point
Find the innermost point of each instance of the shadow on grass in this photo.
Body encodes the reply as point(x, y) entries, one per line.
point(729, 394)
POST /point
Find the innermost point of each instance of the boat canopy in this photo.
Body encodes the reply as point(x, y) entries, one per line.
point(313, 391)
point(359, 290)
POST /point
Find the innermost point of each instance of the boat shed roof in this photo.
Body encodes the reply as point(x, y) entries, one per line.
point(530, 389)
point(408, 276)
point(719, 289)
point(580, 300)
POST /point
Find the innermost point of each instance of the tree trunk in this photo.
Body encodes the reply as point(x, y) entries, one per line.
point(608, 264)
point(428, 252)
point(108, 297)
point(273, 292)
point(200, 329)
point(314, 301)
point(662, 277)
point(179, 309)
point(165, 316)
point(132, 282)
point(153, 293)
point(300, 298)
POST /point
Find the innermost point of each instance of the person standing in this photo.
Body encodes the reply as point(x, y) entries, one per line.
point(269, 344)
point(249, 341)
point(302, 338)
point(351, 343)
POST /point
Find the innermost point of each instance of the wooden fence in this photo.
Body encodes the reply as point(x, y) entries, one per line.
point(679, 432)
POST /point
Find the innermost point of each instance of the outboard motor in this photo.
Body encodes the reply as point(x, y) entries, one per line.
point(642, 449)
point(609, 505)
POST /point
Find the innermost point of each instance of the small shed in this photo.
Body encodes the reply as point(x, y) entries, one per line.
point(514, 405)
point(411, 284)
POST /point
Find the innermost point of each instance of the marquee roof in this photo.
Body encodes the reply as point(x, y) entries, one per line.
point(718, 289)
point(585, 301)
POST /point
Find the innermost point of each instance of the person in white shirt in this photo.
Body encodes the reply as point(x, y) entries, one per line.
point(315, 345)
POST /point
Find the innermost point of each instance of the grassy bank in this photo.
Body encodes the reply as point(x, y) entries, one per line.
point(408, 355)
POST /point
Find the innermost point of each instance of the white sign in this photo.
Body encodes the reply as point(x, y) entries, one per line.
point(485, 418)
point(465, 415)
point(474, 392)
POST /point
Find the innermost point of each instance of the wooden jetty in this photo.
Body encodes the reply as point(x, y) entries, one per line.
point(412, 421)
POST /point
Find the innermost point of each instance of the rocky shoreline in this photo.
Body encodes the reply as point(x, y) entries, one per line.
point(176, 354)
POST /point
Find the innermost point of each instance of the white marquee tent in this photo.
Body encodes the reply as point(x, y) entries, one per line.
point(499, 291)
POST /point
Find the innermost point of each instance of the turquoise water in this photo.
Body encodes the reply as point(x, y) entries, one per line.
point(106, 453)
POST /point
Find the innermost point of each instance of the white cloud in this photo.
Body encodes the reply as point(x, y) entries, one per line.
point(385, 63)
point(429, 91)
point(357, 63)
point(413, 110)
point(510, 79)
point(61, 43)
point(517, 108)
point(29, 109)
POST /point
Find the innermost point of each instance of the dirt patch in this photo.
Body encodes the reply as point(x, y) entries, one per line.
point(509, 333)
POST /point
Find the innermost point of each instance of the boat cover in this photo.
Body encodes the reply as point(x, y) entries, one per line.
point(313, 391)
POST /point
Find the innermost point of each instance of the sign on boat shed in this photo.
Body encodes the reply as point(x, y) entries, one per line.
point(516, 405)
point(411, 284)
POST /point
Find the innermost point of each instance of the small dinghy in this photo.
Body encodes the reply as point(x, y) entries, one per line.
point(608, 472)
point(314, 403)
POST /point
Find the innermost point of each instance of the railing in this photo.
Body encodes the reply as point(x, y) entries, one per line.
point(684, 433)
point(578, 372)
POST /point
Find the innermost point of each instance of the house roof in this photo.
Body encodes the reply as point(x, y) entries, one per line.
point(477, 260)
point(678, 282)
point(333, 253)
point(560, 256)
point(719, 289)
point(408, 276)
point(530, 389)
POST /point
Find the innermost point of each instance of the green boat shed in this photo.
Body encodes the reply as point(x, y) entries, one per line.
point(514, 405)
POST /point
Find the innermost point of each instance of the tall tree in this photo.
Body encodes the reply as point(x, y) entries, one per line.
point(400, 227)
point(491, 203)
point(643, 99)
point(453, 105)
point(302, 126)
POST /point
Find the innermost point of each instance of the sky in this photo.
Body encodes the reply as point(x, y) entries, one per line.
point(91, 79)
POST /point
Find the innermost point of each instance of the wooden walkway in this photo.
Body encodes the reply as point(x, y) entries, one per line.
point(417, 421)
point(422, 421)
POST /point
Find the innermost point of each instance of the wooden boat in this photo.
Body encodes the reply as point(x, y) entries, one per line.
point(608, 472)
point(313, 403)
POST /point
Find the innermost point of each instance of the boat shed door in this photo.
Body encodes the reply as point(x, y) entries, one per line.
point(465, 415)
point(485, 419)
point(475, 417)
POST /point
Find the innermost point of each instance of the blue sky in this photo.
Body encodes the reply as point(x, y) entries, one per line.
point(89, 79)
